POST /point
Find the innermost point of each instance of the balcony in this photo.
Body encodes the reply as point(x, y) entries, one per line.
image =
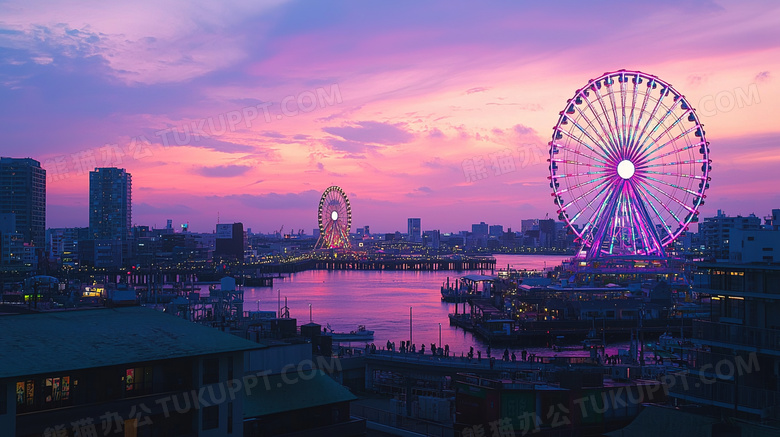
point(737, 336)
point(706, 391)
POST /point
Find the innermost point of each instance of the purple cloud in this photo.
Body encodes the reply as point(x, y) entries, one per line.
point(762, 77)
point(372, 132)
point(223, 171)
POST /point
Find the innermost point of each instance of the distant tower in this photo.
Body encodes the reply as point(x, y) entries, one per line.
point(23, 193)
point(414, 232)
point(110, 204)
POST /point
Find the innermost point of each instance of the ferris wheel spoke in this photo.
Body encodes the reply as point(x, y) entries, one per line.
point(576, 139)
point(600, 98)
point(672, 152)
point(608, 143)
point(642, 132)
point(605, 143)
point(618, 128)
point(669, 184)
point(646, 186)
point(652, 239)
point(644, 154)
point(666, 164)
point(641, 225)
point(610, 132)
point(636, 135)
point(637, 228)
point(605, 219)
point(634, 94)
point(569, 175)
point(681, 175)
point(595, 216)
point(642, 149)
point(623, 110)
point(578, 152)
point(638, 187)
point(581, 184)
point(585, 164)
point(575, 199)
point(593, 140)
point(589, 205)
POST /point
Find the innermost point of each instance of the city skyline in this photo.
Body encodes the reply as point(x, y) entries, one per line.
point(397, 120)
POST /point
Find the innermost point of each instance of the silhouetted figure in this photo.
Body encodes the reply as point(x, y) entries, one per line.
point(524, 354)
point(479, 356)
point(514, 357)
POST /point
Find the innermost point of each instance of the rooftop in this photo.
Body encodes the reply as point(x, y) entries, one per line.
point(289, 393)
point(69, 340)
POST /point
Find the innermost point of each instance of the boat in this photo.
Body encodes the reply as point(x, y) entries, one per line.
point(360, 334)
point(590, 343)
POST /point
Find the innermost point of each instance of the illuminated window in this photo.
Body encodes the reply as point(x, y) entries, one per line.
point(139, 380)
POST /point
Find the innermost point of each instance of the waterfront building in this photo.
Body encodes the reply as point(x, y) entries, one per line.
point(754, 246)
point(734, 368)
point(715, 233)
point(229, 241)
point(579, 402)
point(23, 193)
point(63, 373)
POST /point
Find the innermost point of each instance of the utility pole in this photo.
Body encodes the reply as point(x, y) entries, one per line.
point(410, 326)
point(641, 339)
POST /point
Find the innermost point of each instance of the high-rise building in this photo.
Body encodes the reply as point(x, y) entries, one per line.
point(496, 230)
point(110, 204)
point(414, 231)
point(480, 229)
point(546, 233)
point(23, 193)
point(432, 239)
point(715, 232)
point(230, 241)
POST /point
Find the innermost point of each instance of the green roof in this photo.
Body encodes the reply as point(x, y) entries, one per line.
point(33, 344)
point(276, 394)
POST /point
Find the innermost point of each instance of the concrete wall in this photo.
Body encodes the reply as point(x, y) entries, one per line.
point(8, 420)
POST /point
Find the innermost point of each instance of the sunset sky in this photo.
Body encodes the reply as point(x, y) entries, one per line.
point(386, 99)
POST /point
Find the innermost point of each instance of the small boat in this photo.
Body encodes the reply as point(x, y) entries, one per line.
point(591, 343)
point(360, 334)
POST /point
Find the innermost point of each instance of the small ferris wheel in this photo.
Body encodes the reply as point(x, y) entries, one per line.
point(334, 217)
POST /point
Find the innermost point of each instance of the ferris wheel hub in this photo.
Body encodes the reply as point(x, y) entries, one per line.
point(626, 169)
point(334, 215)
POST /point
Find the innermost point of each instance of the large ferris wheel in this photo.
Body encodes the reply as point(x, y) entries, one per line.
point(334, 217)
point(629, 165)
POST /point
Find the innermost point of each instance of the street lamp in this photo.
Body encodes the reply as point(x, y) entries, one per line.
point(439, 335)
